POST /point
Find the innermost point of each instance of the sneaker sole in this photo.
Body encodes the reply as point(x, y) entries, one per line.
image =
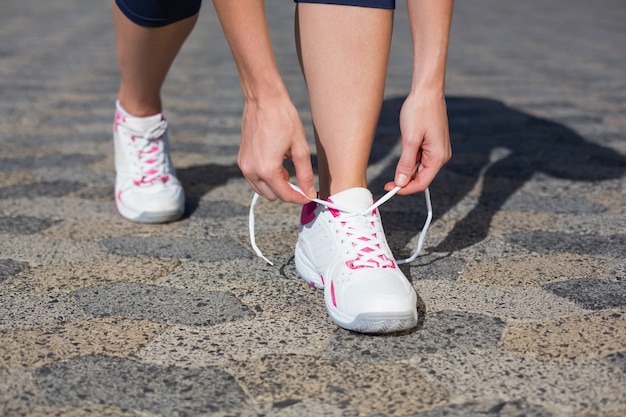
point(377, 322)
point(148, 217)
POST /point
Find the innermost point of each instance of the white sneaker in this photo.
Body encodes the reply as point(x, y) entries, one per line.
point(146, 187)
point(342, 248)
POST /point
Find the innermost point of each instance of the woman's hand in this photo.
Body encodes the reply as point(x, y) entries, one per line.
point(272, 131)
point(425, 140)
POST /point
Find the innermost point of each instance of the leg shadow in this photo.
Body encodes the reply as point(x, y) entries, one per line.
point(500, 145)
point(201, 179)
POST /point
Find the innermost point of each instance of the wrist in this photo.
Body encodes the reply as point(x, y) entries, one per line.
point(427, 90)
point(429, 80)
point(263, 89)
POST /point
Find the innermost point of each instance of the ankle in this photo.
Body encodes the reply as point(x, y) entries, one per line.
point(337, 187)
point(139, 110)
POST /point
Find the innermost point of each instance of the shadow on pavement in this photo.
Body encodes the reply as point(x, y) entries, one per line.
point(199, 180)
point(500, 145)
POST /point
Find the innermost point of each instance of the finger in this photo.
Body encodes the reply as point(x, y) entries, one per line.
point(262, 189)
point(420, 182)
point(280, 187)
point(406, 165)
point(304, 171)
point(289, 195)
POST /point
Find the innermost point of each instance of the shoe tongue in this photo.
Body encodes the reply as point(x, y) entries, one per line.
point(143, 124)
point(354, 199)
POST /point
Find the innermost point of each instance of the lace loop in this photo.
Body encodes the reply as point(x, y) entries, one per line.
point(359, 241)
point(150, 153)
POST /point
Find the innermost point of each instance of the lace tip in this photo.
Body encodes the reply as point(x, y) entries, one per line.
point(266, 260)
point(256, 249)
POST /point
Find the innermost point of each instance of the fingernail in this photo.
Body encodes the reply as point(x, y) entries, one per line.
point(312, 192)
point(401, 180)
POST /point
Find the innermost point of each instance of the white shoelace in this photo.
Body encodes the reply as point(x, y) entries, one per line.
point(149, 147)
point(360, 243)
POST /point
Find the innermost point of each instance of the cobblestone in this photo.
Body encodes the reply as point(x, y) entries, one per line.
point(521, 286)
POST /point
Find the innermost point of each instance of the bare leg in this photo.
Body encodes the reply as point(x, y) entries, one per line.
point(344, 52)
point(145, 56)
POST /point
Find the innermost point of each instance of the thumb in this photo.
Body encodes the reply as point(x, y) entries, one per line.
point(405, 168)
point(304, 172)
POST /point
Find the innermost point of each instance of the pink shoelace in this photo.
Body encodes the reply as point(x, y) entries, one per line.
point(149, 161)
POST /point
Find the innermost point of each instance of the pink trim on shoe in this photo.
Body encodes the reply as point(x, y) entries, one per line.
point(308, 213)
point(118, 117)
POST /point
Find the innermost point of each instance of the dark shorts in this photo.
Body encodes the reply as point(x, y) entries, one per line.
point(378, 4)
point(155, 13)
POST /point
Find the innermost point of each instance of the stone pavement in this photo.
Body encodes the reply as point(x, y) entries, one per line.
point(522, 285)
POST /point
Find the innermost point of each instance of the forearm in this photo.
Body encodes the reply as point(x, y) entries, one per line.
point(430, 28)
point(245, 26)
point(271, 128)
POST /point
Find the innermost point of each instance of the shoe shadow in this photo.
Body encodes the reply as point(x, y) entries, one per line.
point(201, 179)
point(498, 145)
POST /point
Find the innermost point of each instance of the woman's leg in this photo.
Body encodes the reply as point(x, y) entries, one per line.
point(145, 55)
point(344, 53)
point(149, 35)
